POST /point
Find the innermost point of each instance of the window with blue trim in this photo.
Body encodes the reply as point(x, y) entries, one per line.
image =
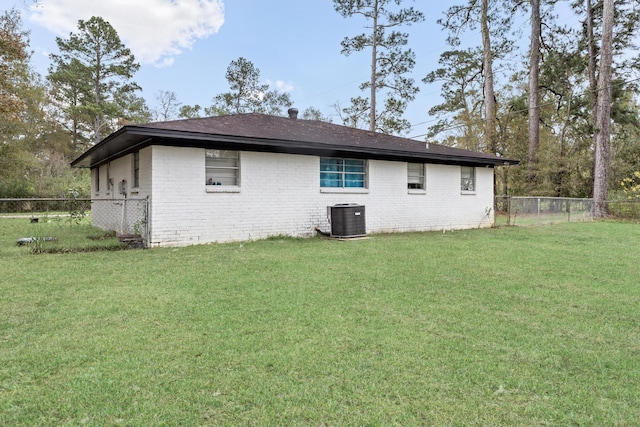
point(343, 173)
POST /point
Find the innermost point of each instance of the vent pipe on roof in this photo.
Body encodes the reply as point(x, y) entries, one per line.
point(293, 113)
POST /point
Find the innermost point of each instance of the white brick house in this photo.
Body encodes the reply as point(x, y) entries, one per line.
point(251, 176)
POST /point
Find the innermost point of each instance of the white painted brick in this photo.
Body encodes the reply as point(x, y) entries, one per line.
point(280, 194)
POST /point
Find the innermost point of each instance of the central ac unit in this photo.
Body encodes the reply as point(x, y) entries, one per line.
point(347, 220)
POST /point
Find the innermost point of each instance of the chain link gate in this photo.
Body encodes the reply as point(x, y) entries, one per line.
point(129, 218)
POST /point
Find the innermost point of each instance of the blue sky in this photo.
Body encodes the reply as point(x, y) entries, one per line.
point(185, 46)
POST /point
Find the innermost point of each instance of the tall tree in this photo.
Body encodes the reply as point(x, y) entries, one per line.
point(356, 115)
point(189, 111)
point(103, 70)
point(390, 60)
point(133, 109)
point(494, 18)
point(13, 56)
point(34, 151)
point(534, 94)
point(459, 115)
point(563, 162)
point(489, 91)
point(592, 55)
point(312, 113)
point(603, 112)
point(246, 94)
point(69, 89)
point(168, 106)
point(623, 83)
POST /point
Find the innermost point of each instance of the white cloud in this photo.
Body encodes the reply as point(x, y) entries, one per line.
point(282, 86)
point(155, 30)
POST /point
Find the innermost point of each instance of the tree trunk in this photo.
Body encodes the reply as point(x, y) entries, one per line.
point(593, 83)
point(534, 95)
point(489, 95)
point(603, 111)
point(374, 57)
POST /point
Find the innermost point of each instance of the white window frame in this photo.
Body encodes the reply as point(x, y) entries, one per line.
point(217, 174)
point(416, 178)
point(343, 172)
point(468, 179)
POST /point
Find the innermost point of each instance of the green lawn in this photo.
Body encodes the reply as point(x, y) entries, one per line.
point(520, 326)
point(54, 234)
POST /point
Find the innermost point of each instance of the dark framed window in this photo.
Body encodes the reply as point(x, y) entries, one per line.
point(467, 178)
point(136, 169)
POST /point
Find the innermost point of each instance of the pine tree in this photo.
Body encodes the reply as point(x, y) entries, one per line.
point(246, 94)
point(96, 68)
point(390, 62)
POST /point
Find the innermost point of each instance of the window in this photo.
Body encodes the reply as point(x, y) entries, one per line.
point(467, 178)
point(136, 169)
point(222, 167)
point(343, 173)
point(415, 176)
point(97, 178)
point(109, 179)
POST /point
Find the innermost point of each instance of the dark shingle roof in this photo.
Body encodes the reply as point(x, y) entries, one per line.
point(259, 132)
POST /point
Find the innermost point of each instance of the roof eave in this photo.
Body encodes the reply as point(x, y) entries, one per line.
point(146, 136)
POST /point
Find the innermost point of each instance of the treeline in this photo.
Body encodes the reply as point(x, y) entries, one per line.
point(561, 98)
point(88, 93)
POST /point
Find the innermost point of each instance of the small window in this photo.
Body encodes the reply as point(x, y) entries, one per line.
point(343, 173)
point(109, 179)
point(136, 169)
point(222, 167)
point(467, 178)
point(415, 176)
point(96, 171)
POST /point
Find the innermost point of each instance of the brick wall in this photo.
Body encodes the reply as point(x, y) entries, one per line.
point(280, 194)
point(109, 210)
point(122, 169)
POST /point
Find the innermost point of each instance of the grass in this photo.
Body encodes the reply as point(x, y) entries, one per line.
point(545, 218)
point(66, 236)
point(502, 327)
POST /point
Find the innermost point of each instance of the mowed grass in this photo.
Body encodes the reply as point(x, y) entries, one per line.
point(54, 234)
point(503, 327)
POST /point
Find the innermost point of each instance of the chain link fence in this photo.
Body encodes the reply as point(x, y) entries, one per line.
point(126, 217)
point(513, 210)
point(628, 210)
point(37, 207)
point(542, 210)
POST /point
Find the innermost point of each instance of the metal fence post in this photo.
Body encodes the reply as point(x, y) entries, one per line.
point(147, 213)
